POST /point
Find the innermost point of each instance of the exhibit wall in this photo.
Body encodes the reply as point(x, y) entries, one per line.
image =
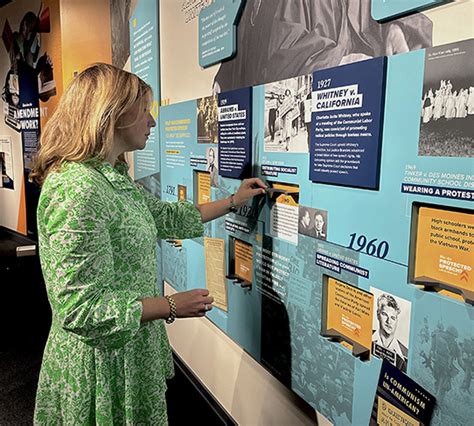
point(362, 248)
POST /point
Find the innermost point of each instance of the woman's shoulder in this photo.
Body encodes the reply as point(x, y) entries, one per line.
point(79, 174)
point(72, 179)
point(73, 187)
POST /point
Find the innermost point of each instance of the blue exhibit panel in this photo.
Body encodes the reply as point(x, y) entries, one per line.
point(385, 215)
point(181, 155)
point(218, 31)
point(145, 62)
point(387, 9)
point(346, 130)
point(443, 338)
point(178, 135)
point(278, 320)
point(235, 133)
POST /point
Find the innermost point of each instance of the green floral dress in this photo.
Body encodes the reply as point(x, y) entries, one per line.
point(97, 238)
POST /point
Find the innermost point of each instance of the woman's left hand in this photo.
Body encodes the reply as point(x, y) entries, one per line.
point(249, 188)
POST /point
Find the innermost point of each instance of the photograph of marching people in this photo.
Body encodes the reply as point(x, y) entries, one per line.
point(288, 115)
point(391, 328)
point(447, 107)
point(207, 119)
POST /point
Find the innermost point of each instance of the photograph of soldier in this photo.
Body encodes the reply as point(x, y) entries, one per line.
point(443, 357)
point(285, 115)
point(207, 119)
point(447, 107)
point(313, 222)
point(450, 360)
point(391, 328)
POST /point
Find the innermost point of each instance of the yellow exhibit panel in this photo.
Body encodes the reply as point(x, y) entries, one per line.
point(389, 415)
point(349, 313)
point(243, 260)
point(203, 187)
point(445, 248)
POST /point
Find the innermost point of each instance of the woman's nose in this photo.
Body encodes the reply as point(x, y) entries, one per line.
point(151, 121)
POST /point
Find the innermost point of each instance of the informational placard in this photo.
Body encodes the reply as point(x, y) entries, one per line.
point(243, 253)
point(347, 315)
point(235, 133)
point(444, 249)
point(347, 115)
point(145, 62)
point(214, 254)
point(203, 187)
point(217, 31)
point(284, 203)
point(386, 9)
point(399, 400)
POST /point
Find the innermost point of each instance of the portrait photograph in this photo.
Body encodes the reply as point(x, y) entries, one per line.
point(211, 165)
point(313, 222)
point(391, 328)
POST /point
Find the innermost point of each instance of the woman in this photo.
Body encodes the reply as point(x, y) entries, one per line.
point(107, 357)
point(451, 105)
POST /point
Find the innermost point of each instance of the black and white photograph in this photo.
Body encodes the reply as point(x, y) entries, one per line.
point(120, 12)
point(211, 165)
point(207, 119)
point(447, 105)
point(288, 115)
point(279, 39)
point(391, 328)
point(313, 222)
point(443, 358)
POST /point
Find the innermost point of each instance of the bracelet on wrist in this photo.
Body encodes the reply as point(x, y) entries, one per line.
point(172, 315)
point(232, 206)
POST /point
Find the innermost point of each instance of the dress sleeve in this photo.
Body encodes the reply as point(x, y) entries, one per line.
point(180, 220)
point(78, 265)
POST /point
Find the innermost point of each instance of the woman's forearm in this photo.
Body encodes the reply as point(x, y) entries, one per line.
point(248, 188)
point(215, 209)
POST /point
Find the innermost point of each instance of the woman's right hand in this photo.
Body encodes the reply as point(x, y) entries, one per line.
point(192, 303)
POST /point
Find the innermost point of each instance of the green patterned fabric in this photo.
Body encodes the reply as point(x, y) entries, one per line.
point(97, 238)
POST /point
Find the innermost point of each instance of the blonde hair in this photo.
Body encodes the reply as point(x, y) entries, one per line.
point(83, 125)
